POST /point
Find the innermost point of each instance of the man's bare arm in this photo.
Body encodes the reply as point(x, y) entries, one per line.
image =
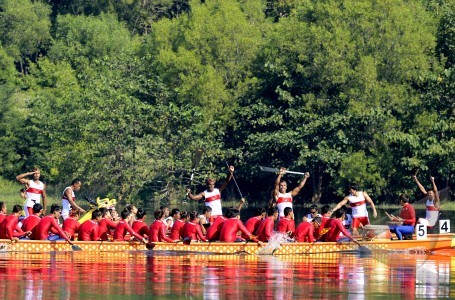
point(228, 178)
point(368, 199)
point(421, 188)
point(300, 186)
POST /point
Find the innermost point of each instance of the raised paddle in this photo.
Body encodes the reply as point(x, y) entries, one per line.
point(196, 159)
point(275, 170)
point(238, 189)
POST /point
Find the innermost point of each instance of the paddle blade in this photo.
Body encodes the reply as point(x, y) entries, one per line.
point(150, 246)
point(187, 241)
point(267, 169)
point(364, 250)
point(76, 248)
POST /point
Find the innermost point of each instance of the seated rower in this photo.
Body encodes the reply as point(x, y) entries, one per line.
point(326, 212)
point(2, 211)
point(191, 230)
point(304, 233)
point(335, 226)
point(107, 223)
point(252, 224)
point(206, 219)
point(47, 223)
point(8, 227)
point(176, 230)
point(30, 222)
point(213, 232)
point(407, 218)
point(265, 229)
point(89, 230)
point(139, 225)
point(233, 225)
point(123, 227)
point(70, 224)
point(157, 231)
point(314, 212)
point(287, 224)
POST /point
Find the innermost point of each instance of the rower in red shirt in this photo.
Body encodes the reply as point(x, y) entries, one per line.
point(252, 224)
point(191, 230)
point(89, 230)
point(139, 225)
point(213, 232)
point(8, 227)
point(158, 228)
point(70, 224)
point(265, 229)
point(304, 232)
point(176, 231)
point(123, 227)
point(326, 212)
point(2, 211)
point(335, 227)
point(41, 231)
point(287, 224)
point(30, 222)
point(233, 225)
point(107, 223)
point(407, 218)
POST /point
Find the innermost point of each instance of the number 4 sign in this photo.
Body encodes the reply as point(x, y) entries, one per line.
point(444, 226)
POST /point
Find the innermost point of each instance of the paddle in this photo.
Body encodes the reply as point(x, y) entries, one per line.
point(275, 170)
point(76, 248)
point(238, 189)
point(196, 159)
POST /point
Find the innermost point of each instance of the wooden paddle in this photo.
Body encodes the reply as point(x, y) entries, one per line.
point(76, 248)
point(238, 189)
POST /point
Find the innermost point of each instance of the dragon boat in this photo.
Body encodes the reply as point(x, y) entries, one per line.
point(432, 243)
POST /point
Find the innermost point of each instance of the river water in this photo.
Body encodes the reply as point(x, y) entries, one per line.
point(147, 275)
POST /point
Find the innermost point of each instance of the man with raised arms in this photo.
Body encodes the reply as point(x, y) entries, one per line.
point(69, 198)
point(212, 195)
point(30, 222)
point(49, 223)
point(265, 229)
point(358, 201)
point(8, 227)
point(89, 230)
point(232, 226)
point(123, 227)
point(35, 190)
point(433, 203)
point(283, 198)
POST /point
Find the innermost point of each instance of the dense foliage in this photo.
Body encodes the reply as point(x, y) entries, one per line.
point(122, 93)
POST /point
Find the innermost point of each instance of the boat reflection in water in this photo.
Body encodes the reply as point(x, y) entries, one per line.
point(70, 275)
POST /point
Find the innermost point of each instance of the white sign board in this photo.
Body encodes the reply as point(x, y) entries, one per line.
point(421, 231)
point(444, 226)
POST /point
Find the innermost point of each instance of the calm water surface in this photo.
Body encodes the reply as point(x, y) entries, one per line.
point(147, 275)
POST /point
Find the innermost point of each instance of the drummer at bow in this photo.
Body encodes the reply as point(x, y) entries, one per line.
point(407, 218)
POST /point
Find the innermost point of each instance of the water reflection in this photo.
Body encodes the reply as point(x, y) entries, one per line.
point(71, 275)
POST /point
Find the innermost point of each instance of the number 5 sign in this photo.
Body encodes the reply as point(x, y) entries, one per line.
point(444, 226)
point(421, 231)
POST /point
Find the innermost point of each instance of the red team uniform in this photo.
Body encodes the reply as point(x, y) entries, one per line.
point(304, 232)
point(230, 228)
point(158, 232)
point(213, 232)
point(71, 226)
point(141, 228)
point(41, 231)
point(193, 231)
point(286, 225)
point(265, 229)
point(9, 228)
point(176, 231)
point(88, 231)
point(30, 222)
point(122, 229)
point(105, 226)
